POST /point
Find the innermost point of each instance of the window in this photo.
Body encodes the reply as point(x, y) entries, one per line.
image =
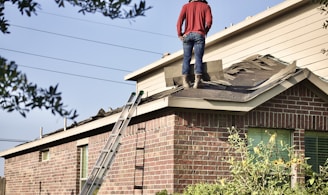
point(44, 155)
point(258, 135)
point(83, 165)
point(316, 148)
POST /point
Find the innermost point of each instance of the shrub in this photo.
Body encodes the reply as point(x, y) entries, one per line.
point(261, 170)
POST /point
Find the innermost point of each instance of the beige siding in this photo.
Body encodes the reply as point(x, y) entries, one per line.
point(153, 84)
point(297, 36)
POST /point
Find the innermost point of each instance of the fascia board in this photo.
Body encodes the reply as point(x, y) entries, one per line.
point(152, 106)
point(62, 135)
point(197, 103)
point(141, 109)
point(317, 81)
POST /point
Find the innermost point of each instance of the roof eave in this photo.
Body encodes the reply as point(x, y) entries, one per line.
point(181, 102)
point(101, 122)
point(250, 102)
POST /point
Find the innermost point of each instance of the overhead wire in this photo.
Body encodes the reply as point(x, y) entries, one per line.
point(106, 24)
point(65, 60)
point(88, 40)
point(76, 75)
point(84, 39)
point(112, 25)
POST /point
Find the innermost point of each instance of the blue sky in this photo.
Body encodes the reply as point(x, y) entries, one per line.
point(98, 51)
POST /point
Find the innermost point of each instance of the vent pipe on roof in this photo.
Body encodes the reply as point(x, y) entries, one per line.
point(65, 123)
point(41, 132)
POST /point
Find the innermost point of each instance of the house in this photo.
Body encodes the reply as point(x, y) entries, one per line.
point(265, 73)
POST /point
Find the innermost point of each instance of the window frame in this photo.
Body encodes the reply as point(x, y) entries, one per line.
point(44, 155)
point(84, 157)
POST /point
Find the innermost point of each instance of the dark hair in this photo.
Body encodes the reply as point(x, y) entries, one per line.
point(204, 1)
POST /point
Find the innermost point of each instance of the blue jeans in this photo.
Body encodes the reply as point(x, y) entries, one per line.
point(192, 41)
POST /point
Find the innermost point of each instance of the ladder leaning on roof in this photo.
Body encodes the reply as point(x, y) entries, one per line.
point(107, 155)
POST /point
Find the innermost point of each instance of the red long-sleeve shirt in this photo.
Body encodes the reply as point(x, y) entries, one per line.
point(197, 17)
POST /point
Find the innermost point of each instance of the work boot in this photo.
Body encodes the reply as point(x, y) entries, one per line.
point(185, 81)
point(197, 81)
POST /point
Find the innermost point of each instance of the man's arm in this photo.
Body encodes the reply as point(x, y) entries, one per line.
point(209, 19)
point(181, 18)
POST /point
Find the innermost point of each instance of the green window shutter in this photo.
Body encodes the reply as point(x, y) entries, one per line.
point(322, 150)
point(316, 148)
point(311, 152)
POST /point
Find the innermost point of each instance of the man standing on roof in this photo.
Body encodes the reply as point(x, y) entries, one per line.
point(197, 18)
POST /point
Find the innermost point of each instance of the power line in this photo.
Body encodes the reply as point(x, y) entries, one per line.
point(106, 24)
point(65, 60)
point(112, 25)
point(88, 40)
point(76, 75)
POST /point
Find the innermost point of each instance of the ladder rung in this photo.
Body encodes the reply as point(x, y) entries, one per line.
point(89, 183)
point(115, 134)
point(107, 155)
point(140, 148)
point(107, 151)
point(99, 167)
point(129, 103)
point(140, 167)
point(138, 187)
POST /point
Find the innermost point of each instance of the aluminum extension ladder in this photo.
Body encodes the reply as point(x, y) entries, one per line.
point(107, 155)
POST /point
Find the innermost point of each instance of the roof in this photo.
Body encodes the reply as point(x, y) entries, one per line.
point(257, 77)
point(245, 86)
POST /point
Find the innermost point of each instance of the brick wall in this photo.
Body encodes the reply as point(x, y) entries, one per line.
point(158, 134)
point(181, 147)
point(26, 174)
point(200, 142)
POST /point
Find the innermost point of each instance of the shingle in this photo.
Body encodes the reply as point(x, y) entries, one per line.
point(241, 81)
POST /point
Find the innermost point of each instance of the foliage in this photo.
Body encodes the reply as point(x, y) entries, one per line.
point(164, 192)
point(317, 182)
point(113, 9)
point(257, 170)
point(17, 94)
point(321, 2)
point(204, 189)
point(324, 10)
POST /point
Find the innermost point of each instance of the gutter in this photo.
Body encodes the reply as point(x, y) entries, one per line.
point(85, 128)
